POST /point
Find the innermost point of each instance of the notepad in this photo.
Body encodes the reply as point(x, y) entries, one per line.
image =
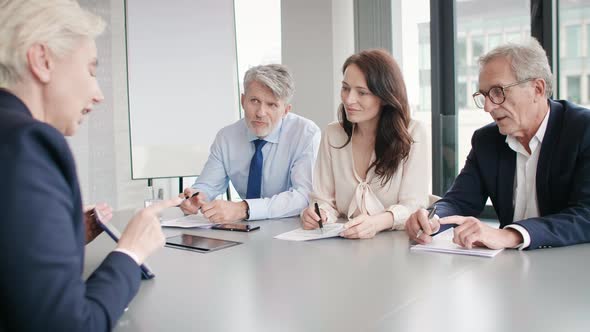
point(299, 234)
point(443, 242)
point(190, 221)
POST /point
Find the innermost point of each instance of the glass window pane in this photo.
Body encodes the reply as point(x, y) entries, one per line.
point(494, 40)
point(415, 56)
point(258, 33)
point(477, 48)
point(483, 24)
point(572, 39)
point(573, 89)
point(516, 36)
point(574, 50)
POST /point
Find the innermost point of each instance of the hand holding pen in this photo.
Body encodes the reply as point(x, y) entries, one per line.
point(192, 201)
point(421, 226)
point(312, 217)
point(317, 211)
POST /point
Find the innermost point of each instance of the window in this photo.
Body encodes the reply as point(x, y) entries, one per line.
point(574, 49)
point(414, 47)
point(573, 89)
point(477, 48)
point(516, 36)
point(572, 39)
point(461, 52)
point(513, 23)
point(494, 40)
point(461, 95)
point(258, 33)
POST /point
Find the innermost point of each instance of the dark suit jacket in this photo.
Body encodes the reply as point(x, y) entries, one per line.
point(42, 236)
point(563, 179)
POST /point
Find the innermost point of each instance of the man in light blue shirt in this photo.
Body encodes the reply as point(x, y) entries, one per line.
point(268, 155)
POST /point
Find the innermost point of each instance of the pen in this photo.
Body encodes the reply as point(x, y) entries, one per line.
point(317, 211)
point(186, 197)
point(431, 213)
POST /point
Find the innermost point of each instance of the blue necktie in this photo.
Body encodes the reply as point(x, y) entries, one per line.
point(255, 175)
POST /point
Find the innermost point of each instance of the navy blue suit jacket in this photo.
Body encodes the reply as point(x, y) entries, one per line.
point(563, 179)
point(42, 236)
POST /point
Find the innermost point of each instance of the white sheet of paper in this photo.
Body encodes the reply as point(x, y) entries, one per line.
point(443, 242)
point(299, 234)
point(190, 221)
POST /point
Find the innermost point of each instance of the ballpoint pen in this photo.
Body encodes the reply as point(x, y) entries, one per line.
point(317, 211)
point(186, 197)
point(431, 213)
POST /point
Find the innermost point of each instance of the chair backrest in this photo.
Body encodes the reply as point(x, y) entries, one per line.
point(432, 199)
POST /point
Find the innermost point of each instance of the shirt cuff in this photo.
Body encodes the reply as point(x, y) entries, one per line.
point(525, 236)
point(130, 254)
point(400, 216)
point(258, 209)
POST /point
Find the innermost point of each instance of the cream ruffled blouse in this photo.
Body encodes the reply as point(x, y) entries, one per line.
point(342, 193)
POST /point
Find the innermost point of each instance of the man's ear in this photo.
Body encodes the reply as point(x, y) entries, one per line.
point(242, 100)
point(287, 110)
point(540, 86)
point(39, 62)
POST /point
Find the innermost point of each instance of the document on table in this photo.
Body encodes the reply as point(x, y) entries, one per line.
point(443, 242)
point(299, 234)
point(190, 221)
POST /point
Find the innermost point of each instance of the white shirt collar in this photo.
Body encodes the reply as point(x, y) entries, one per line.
point(536, 141)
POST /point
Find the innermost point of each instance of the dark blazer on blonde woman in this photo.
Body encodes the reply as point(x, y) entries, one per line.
point(42, 236)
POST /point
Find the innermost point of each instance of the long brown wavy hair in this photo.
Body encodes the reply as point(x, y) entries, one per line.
point(384, 80)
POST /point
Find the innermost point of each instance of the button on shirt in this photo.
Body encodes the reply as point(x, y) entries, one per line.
point(289, 157)
point(525, 180)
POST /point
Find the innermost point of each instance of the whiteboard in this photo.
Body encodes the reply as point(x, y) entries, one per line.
point(182, 81)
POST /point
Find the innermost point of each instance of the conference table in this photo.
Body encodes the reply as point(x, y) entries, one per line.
point(336, 284)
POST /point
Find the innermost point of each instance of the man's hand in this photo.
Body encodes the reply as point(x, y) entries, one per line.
point(471, 232)
point(419, 228)
point(223, 212)
point(309, 219)
point(143, 234)
point(92, 227)
point(192, 204)
point(366, 227)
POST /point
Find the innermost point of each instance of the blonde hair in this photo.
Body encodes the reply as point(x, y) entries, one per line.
point(58, 24)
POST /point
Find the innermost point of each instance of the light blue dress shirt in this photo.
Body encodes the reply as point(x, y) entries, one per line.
point(289, 158)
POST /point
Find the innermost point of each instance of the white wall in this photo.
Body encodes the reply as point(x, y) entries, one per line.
point(318, 35)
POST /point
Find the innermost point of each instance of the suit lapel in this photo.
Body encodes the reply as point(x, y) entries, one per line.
point(548, 149)
point(506, 169)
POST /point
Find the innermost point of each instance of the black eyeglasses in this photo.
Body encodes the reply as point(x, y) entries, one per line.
point(496, 94)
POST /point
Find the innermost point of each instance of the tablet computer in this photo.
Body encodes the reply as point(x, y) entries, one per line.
point(113, 233)
point(198, 243)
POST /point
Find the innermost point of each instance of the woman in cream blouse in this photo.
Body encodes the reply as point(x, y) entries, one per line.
point(372, 166)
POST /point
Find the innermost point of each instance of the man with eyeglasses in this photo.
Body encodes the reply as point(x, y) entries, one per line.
point(533, 162)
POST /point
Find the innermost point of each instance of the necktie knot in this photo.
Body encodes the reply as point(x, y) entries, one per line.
point(258, 144)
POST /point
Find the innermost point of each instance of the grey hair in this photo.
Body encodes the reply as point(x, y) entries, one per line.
point(527, 60)
point(275, 76)
point(58, 24)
